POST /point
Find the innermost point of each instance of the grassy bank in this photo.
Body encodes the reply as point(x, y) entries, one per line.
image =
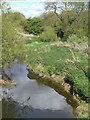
point(62, 59)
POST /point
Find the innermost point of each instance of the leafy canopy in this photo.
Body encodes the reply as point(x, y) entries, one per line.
point(33, 25)
point(12, 42)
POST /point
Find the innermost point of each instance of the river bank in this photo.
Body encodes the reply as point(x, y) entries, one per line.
point(64, 62)
point(80, 106)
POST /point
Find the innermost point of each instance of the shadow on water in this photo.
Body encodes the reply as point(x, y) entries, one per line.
point(20, 111)
point(57, 87)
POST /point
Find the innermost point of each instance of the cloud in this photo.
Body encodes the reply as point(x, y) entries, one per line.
point(33, 13)
point(37, 6)
point(31, 10)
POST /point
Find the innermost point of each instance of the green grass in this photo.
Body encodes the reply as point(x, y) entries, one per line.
point(85, 113)
point(35, 43)
point(49, 59)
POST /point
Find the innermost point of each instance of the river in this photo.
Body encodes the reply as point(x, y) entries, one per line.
point(30, 99)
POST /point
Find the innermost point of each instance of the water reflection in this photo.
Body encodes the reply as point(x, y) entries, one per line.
point(43, 99)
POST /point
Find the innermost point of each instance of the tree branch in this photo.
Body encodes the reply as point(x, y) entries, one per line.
point(5, 75)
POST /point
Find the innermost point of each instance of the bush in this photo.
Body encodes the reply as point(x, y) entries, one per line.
point(48, 35)
point(73, 38)
point(33, 25)
point(79, 82)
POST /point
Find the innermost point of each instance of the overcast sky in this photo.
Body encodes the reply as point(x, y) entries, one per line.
point(28, 8)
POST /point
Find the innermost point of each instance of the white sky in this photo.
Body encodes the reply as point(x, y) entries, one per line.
point(29, 8)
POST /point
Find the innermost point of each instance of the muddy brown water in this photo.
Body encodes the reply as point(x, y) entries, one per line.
point(33, 98)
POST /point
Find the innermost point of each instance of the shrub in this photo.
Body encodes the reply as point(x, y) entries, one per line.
point(33, 25)
point(48, 35)
point(73, 38)
point(79, 82)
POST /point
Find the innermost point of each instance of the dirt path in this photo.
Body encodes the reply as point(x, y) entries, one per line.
point(25, 34)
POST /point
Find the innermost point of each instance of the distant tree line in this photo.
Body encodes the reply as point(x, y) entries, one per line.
point(65, 18)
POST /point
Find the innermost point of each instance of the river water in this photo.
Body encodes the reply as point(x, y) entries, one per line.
point(28, 99)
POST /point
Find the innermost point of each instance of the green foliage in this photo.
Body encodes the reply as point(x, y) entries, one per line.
point(48, 35)
point(33, 25)
point(73, 18)
point(70, 23)
point(12, 42)
point(63, 39)
point(73, 38)
point(17, 18)
point(64, 24)
point(48, 19)
point(80, 83)
point(85, 113)
point(5, 7)
point(52, 60)
point(80, 25)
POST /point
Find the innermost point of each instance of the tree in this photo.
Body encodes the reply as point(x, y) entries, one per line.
point(17, 18)
point(57, 7)
point(12, 43)
point(78, 8)
point(48, 19)
point(51, 6)
point(71, 17)
point(80, 25)
point(33, 25)
point(5, 7)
